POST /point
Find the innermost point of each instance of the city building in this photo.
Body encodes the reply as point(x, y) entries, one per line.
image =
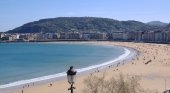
point(56, 35)
point(101, 36)
point(63, 35)
point(158, 36)
point(7, 38)
point(118, 35)
point(137, 36)
point(30, 37)
point(94, 36)
point(74, 35)
point(86, 36)
point(1, 35)
point(168, 38)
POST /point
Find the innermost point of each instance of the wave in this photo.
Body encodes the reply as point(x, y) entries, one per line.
point(22, 82)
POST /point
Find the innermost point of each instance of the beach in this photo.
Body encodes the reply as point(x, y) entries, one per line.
point(151, 64)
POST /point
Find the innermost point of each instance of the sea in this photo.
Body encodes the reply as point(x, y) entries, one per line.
point(22, 63)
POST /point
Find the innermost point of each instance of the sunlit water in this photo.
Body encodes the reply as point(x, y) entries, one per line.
point(21, 61)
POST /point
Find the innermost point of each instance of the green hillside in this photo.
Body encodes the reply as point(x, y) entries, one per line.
point(63, 24)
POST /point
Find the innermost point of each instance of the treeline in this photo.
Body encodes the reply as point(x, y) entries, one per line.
point(83, 24)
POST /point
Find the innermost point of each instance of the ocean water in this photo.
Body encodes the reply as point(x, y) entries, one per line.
point(24, 61)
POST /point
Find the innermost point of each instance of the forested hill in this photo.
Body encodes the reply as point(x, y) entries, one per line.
point(63, 24)
point(157, 23)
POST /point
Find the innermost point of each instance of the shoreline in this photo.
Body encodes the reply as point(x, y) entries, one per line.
point(153, 74)
point(46, 79)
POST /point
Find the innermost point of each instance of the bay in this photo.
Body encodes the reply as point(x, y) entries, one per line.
point(21, 61)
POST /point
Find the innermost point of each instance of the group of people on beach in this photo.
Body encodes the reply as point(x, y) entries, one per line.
point(72, 71)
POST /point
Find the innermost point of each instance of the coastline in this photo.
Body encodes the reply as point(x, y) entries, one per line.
point(129, 54)
point(153, 74)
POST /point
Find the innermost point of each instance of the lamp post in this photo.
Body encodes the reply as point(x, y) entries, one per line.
point(71, 75)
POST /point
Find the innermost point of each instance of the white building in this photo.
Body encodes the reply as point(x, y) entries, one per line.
point(2, 35)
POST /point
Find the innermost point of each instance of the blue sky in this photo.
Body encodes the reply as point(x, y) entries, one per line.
point(14, 13)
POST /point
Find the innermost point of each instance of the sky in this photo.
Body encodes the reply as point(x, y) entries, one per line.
point(15, 13)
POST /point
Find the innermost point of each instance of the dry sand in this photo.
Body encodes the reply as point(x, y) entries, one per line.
point(152, 65)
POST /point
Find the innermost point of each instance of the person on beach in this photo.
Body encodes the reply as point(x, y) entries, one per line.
point(51, 84)
point(71, 71)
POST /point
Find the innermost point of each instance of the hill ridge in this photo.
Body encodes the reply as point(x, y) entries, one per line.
point(64, 24)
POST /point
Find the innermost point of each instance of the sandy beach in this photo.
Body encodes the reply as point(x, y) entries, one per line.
point(152, 65)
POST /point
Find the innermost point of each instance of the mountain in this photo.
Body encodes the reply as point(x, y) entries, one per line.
point(157, 23)
point(64, 24)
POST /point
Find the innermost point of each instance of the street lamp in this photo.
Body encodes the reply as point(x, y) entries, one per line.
point(71, 75)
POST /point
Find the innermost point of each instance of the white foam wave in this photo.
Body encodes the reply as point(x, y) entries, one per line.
point(121, 57)
point(22, 82)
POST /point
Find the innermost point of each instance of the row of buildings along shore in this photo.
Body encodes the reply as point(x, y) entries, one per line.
point(137, 36)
